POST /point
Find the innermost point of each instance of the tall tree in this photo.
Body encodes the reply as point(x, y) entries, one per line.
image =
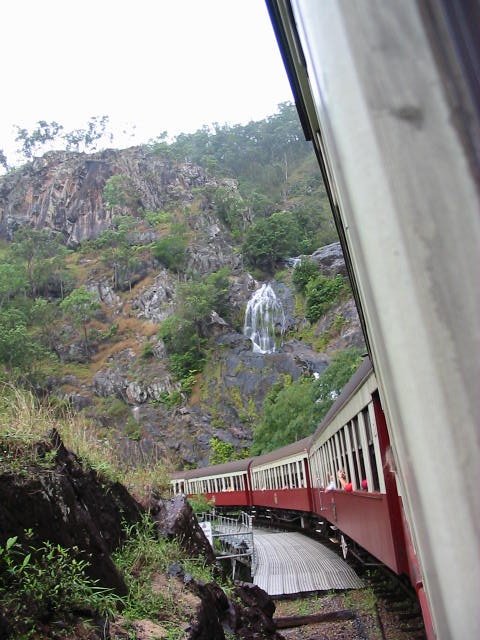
point(41, 255)
point(81, 305)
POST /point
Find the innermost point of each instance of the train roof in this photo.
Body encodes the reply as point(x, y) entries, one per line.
point(356, 381)
point(215, 470)
point(285, 452)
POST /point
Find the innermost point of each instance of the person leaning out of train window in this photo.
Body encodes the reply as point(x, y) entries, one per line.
point(332, 485)
point(342, 477)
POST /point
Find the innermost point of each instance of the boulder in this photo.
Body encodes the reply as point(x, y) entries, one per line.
point(175, 519)
point(330, 260)
point(67, 505)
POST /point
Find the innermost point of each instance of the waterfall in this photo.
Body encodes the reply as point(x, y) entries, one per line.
point(264, 315)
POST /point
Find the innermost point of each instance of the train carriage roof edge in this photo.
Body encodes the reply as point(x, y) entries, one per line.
point(388, 93)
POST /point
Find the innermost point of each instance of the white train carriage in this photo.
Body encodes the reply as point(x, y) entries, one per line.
point(388, 92)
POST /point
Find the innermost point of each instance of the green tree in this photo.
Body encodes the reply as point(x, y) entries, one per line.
point(330, 384)
point(12, 281)
point(120, 191)
point(18, 348)
point(228, 204)
point(221, 451)
point(293, 410)
point(41, 255)
point(118, 251)
point(3, 160)
point(289, 414)
point(270, 239)
point(305, 271)
point(31, 141)
point(80, 305)
point(185, 333)
point(87, 138)
point(171, 252)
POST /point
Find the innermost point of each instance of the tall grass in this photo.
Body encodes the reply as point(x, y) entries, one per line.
point(25, 420)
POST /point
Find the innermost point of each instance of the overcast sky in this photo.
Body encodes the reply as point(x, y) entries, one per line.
point(170, 65)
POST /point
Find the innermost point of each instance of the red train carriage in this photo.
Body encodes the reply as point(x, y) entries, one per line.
point(352, 437)
point(281, 479)
point(227, 485)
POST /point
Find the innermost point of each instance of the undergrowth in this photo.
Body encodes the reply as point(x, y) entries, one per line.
point(25, 420)
point(47, 583)
point(143, 559)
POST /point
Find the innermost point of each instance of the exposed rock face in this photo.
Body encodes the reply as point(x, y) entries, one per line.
point(70, 506)
point(133, 381)
point(330, 260)
point(63, 191)
point(156, 301)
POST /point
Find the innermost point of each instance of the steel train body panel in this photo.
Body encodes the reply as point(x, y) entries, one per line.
point(230, 498)
point(289, 499)
point(363, 517)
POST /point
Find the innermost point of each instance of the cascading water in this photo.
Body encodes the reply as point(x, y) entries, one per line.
point(263, 318)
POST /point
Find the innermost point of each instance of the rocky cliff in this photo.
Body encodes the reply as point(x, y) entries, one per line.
point(55, 507)
point(123, 382)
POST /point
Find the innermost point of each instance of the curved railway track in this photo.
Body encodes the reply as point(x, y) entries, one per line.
point(396, 612)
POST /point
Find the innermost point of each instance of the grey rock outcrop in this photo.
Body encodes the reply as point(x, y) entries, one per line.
point(156, 301)
point(70, 506)
point(63, 191)
point(330, 260)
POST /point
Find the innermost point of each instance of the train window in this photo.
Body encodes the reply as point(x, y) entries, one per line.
point(324, 472)
point(353, 466)
point(294, 475)
point(371, 449)
point(358, 448)
point(331, 457)
point(301, 474)
point(326, 464)
point(347, 456)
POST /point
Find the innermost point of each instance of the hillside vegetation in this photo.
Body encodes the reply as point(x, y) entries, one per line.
point(124, 277)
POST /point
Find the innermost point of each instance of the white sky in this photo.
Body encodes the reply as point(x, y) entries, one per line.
point(170, 65)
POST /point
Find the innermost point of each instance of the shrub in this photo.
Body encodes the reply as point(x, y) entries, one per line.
point(200, 503)
point(119, 190)
point(142, 556)
point(171, 252)
point(305, 271)
point(133, 429)
point(47, 581)
point(170, 400)
point(147, 350)
point(321, 293)
point(155, 218)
